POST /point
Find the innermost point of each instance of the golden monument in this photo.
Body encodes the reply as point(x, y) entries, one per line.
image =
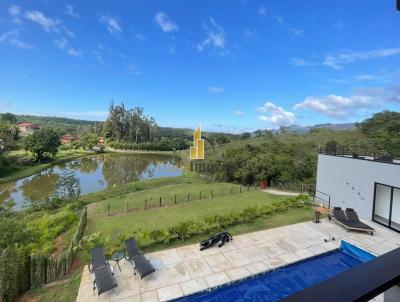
point(197, 150)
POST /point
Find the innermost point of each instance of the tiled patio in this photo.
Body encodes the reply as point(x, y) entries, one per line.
point(185, 270)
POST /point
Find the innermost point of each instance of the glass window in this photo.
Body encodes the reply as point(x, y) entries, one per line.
point(396, 209)
point(382, 203)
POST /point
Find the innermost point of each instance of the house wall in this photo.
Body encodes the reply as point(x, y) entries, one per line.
point(350, 182)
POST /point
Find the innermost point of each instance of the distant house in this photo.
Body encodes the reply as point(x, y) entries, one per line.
point(26, 128)
point(67, 139)
point(101, 141)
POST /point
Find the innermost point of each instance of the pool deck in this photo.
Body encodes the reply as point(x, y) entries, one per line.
point(185, 270)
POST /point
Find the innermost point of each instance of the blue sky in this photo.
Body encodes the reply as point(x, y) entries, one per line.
point(229, 65)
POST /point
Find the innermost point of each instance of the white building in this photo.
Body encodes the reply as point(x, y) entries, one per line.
point(370, 186)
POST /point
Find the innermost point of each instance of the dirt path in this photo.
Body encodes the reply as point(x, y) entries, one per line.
point(277, 192)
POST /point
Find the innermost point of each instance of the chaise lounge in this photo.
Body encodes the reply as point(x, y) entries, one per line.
point(141, 264)
point(349, 220)
point(103, 275)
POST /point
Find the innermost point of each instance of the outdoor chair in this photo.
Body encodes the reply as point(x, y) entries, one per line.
point(143, 266)
point(132, 250)
point(349, 220)
point(103, 275)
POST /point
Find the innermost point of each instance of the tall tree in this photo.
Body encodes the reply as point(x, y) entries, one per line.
point(42, 142)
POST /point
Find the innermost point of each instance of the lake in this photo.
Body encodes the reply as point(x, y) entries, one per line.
point(95, 173)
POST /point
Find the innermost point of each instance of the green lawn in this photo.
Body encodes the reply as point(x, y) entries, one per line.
point(16, 171)
point(161, 218)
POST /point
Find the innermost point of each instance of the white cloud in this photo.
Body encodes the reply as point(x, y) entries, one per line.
point(297, 32)
point(132, 69)
point(277, 116)
point(69, 10)
point(337, 61)
point(4, 104)
point(140, 37)
point(48, 24)
point(63, 44)
point(215, 90)
point(166, 24)
point(278, 19)
point(15, 12)
point(238, 112)
point(12, 37)
point(111, 23)
point(337, 106)
point(262, 10)
point(215, 38)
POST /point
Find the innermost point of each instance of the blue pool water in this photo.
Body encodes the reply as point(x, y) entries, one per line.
point(276, 285)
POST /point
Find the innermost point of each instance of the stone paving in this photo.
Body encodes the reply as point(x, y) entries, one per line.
point(185, 270)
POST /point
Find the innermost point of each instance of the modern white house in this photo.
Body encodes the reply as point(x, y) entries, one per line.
point(371, 186)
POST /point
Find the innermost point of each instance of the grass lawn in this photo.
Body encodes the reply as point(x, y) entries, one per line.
point(16, 171)
point(160, 218)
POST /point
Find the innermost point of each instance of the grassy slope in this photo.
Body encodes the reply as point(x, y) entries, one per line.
point(161, 218)
point(16, 171)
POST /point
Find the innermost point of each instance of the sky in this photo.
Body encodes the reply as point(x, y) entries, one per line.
point(229, 65)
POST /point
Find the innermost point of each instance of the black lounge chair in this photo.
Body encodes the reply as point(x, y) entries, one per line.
point(349, 220)
point(100, 268)
point(352, 217)
point(143, 266)
point(132, 249)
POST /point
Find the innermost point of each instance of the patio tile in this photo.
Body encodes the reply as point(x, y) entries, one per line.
point(127, 286)
point(254, 253)
point(271, 249)
point(153, 281)
point(168, 257)
point(237, 258)
point(193, 286)
point(210, 251)
point(285, 245)
point(175, 273)
point(257, 267)
point(274, 262)
point(316, 250)
point(218, 263)
point(217, 279)
point(128, 299)
point(188, 252)
point(289, 258)
point(303, 254)
point(150, 296)
point(238, 273)
point(169, 292)
point(198, 268)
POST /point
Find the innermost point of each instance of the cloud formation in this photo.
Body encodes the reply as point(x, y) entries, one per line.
point(276, 115)
point(111, 24)
point(215, 90)
point(262, 10)
point(48, 24)
point(338, 61)
point(215, 38)
point(69, 10)
point(238, 112)
point(15, 11)
point(63, 44)
point(165, 23)
point(12, 37)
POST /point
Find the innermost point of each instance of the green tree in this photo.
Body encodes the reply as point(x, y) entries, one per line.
point(9, 118)
point(383, 131)
point(245, 135)
point(42, 142)
point(90, 140)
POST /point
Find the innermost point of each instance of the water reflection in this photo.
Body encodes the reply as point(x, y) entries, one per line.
point(95, 173)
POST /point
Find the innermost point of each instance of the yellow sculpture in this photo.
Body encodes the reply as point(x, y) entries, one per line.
point(197, 150)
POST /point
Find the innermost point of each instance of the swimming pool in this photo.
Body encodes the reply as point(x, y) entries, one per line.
point(283, 282)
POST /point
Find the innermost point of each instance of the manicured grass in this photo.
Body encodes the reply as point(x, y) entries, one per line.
point(16, 171)
point(184, 192)
point(161, 218)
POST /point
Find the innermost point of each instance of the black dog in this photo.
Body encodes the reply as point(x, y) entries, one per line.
point(219, 239)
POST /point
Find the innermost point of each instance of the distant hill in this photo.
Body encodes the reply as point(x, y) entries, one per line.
point(329, 126)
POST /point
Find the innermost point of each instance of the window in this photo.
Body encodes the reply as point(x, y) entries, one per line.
point(387, 206)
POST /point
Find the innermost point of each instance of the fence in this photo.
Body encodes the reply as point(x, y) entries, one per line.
point(20, 271)
point(175, 199)
point(293, 187)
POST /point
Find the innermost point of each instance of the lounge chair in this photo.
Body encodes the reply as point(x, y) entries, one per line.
point(103, 275)
point(352, 217)
point(349, 220)
point(140, 263)
point(132, 249)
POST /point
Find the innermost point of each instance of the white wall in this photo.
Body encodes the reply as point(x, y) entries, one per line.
point(350, 182)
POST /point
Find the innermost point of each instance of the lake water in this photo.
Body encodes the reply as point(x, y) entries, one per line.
point(95, 173)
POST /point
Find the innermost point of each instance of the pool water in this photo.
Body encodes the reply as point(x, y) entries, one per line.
point(286, 281)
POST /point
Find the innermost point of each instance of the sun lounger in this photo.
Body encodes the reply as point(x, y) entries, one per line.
point(132, 249)
point(349, 220)
point(143, 266)
point(103, 275)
